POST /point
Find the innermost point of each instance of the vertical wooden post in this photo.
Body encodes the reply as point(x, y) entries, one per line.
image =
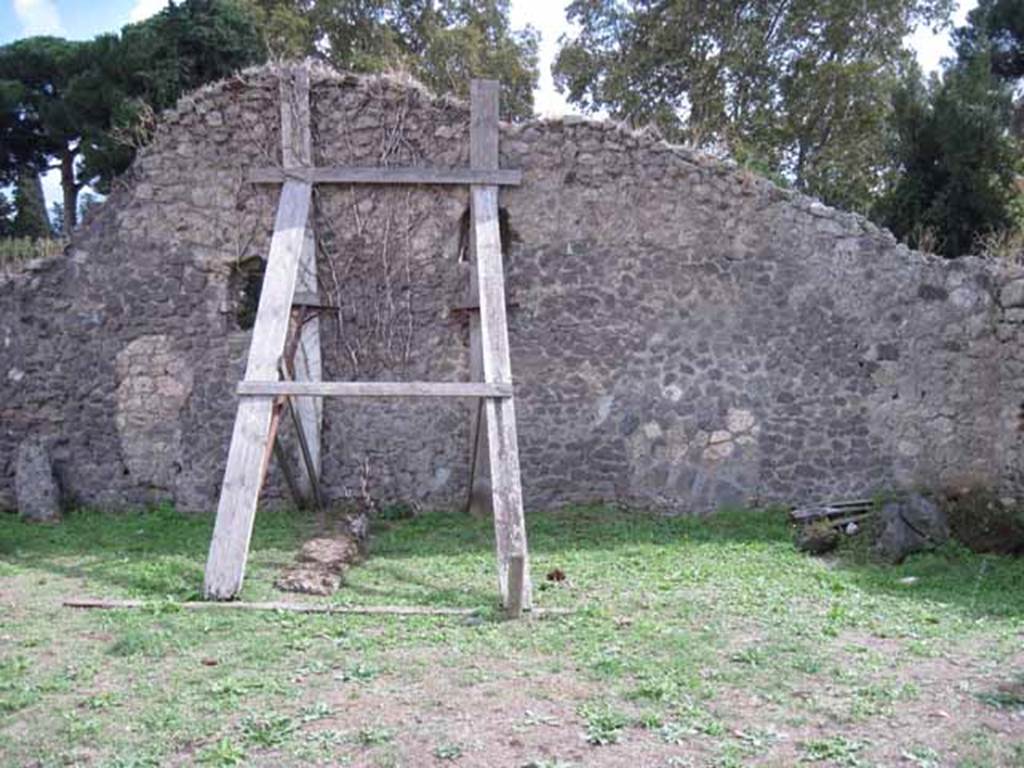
point(516, 587)
point(297, 152)
point(479, 502)
point(503, 448)
point(250, 440)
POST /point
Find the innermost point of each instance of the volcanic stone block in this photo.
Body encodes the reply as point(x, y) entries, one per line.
point(38, 496)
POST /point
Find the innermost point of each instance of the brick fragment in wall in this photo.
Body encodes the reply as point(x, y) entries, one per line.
point(684, 334)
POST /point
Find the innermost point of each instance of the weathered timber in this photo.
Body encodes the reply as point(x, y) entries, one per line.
point(250, 388)
point(305, 449)
point(307, 412)
point(503, 449)
point(478, 504)
point(250, 439)
point(516, 574)
point(504, 177)
point(311, 300)
point(238, 605)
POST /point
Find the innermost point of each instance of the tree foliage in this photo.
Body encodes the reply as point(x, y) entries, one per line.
point(796, 88)
point(67, 104)
point(442, 43)
point(30, 219)
point(85, 107)
point(995, 28)
point(954, 155)
point(953, 160)
point(6, 216)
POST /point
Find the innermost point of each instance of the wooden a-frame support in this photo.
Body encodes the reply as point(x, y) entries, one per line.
point(291, 272)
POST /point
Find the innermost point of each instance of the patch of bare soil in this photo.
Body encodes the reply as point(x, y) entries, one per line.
point(511, 713)
point(942, 704)
point(494, 713)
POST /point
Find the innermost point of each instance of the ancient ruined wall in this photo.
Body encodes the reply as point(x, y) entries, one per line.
point(683, 334)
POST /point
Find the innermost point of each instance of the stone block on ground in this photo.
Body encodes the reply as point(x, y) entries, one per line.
point(909, 525)
point(320, 565)
point(309, 580)
point(332, 553)
point(35, 487)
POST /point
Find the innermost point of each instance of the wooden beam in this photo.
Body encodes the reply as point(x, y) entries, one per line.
point(236, 509)
point(479, 502)
point(251, 388)
point(225, 567)
point(307, 412)
point(284, 462)
point(312, 471)
point(503, 449)
point(505, 177)
point(311, 300)
point(89, 603)
point(516, 574)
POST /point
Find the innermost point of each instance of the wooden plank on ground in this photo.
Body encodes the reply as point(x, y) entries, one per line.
point(89, 603)
point(373, 389)
point(375, 175)
point(507, 495)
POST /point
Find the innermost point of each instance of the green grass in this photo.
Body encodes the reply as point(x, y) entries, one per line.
point(711, 639)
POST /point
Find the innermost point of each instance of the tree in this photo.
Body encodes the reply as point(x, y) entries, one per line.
point(796, 88)
point(285, 27)
point(39, 125)
point(57, 217)
point(148, 67)
point(66, 104)
point(6, 216)
point(995, 27)
point(443, 43)
point(30, 219)
point(954, 159)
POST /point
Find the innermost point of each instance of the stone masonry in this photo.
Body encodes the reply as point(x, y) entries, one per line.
point(684, 334)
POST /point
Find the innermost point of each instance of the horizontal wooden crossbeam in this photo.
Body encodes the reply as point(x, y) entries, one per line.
point(374, 389)
point(343, 175)
point(310, 300)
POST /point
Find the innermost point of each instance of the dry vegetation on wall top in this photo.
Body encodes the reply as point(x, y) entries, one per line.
point(17, 253)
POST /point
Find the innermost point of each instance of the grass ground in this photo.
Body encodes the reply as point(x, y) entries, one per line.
point(694, 643)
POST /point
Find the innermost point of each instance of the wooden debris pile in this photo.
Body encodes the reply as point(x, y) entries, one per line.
point(820, 527)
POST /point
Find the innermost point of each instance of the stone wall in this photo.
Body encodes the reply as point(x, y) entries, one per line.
point(684, 334)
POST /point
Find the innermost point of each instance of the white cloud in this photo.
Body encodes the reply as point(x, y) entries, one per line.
point(143, 9)
point(38, 17)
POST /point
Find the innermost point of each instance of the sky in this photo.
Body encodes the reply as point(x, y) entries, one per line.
point(83, 19)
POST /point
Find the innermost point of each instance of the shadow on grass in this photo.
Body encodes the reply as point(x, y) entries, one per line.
point(156, 553)
point(161, 553)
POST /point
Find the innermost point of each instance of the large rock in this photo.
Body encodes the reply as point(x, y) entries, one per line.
point(909, 525)
point(35, 487)
point(1012, 294)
